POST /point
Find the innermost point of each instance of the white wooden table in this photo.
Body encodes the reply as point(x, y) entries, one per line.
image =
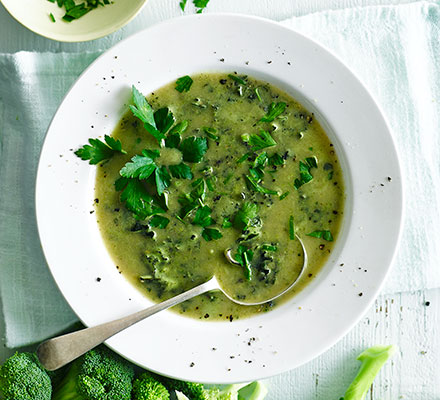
point(410, 320)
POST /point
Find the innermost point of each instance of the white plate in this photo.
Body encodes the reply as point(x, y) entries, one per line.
point(35, 15)
point(298, 330)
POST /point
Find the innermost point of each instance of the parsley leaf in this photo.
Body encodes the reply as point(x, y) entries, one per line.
point(275, 160)
point(211, 234)
point(226, 223)
point(253, 184)
point(202, 217)
point(184, 83)
point(163, 119)
point(259, 141)
point(136, 198)
point(141, 166)
point(200, 4)
point(144, 112)
point(181, 171)
point(304, 171)
point(182, 5)
point(99, 151)
point(324, 234)
point(246, 216)
point(193, 149)
point(159, 222)
point(274, 111)
point(244, 257)
point(163, 179)
point(211, 133)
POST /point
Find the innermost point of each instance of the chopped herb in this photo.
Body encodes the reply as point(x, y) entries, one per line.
point(324, 234)
point(52, 17)
point(259, 141)
point(210, 183)
point(202, 217)
point(99, 151)
point(184, 83)
point(284, 195)
point(275, 160)
point(330, 175)
point(275, 109)
point(164, 119)
point(193, 149)
point(163, 179)
point(159, 222)
point(181, 171)
point(136, 198)
point(304, 171)
point(257, 93)
point(291, 228)
point(269, 247)
point(211, 234)
point(211, 133)
point(144, 112)
point(235, 78)
point(244, 157)
point(182, 5)
point(244, 257)
point(200, 4)
point(246, 216)
point(226, 223)
point(141, 166)
point(258, 188)
point(179, 128)
point(257, 174)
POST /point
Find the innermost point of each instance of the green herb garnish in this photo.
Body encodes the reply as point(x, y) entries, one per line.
point(182, 5)
point(203, 219)
point(157, 221)
point(244, 257)
point(52, 18)
point(226, 223)
point(269, 247)
point(211, 234)
point(275, 109)
point(259, 141)
point(324, 234)
point(235, 78)
point(193, 149)
point(284, 195)
point(304, 171)
point(211, 133)
point(291, 228)
point(184, 83)
point(246, 216)
point(200, 4)
point(136, 198)
point(181, 171)
point(275, 160)
point(99, 151)
point(253, 184)
point(75, 11)
point(257, 93)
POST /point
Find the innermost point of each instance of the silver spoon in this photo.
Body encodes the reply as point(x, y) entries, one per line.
point(57, 352)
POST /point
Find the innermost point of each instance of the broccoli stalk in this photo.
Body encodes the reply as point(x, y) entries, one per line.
point(372, 361)
point(22, 377)
point(98, 375)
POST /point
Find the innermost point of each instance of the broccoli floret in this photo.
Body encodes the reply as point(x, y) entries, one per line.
point(97, 375)
point(372, 361)
point(192, 390)
point(22, 377)
point(146, 387)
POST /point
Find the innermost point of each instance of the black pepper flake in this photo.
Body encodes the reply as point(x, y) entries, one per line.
point(206, 316)
point(193, 237)
point(192, 365)
point(321, 247)
point(389, 179)
point(427, 303)
point(116, 210)
point(289, 63)
point(98, 279)
point(360, 294)
point(231, 357)
point(91, 212)
point(342, 264)
point(223, 81)
point(222, 60)
point(214, 349)
point(269, 62)
point(310, 275)
point(96, 201)
point(231, 318)
point(229, 369)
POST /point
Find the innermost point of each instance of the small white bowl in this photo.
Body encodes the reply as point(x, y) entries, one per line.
point(307, 324)
point(35, 15)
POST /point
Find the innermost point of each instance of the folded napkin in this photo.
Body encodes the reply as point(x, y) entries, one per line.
point(394, 50)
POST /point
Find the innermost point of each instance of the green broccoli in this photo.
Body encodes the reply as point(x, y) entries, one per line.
point(372, 361)
point(192, 390)
point(98, 375)
point(22, 377)
point(146, 387)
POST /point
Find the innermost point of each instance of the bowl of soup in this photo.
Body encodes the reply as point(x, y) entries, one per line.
point(188, 140)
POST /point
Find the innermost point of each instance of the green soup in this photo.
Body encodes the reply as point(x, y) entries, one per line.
point(268, 172)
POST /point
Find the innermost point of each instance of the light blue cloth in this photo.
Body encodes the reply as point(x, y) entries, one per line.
point(394, 50)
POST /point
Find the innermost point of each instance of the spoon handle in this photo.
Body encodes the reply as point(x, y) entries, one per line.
point(57, 352)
